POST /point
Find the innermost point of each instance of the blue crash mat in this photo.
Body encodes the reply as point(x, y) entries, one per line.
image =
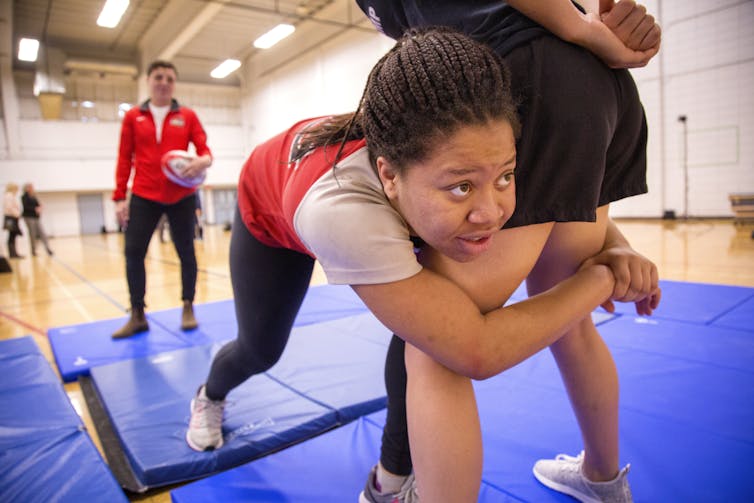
point(330, 468)
point(327, 376)
point(45, 453)
point(687, 410)
point(78, 348)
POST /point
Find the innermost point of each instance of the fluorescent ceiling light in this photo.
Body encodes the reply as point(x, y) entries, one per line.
point(28, 49)
point(225, 68)
point(274, 36)
point(111, 13)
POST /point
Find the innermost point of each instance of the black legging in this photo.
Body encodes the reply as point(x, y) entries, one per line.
point(395, 454)
point(143, 217)
point(269, 285)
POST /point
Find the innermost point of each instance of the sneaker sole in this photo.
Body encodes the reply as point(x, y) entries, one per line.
point(563, 489)
point(196, 447)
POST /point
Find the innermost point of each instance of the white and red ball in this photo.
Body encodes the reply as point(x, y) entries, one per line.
point(174, 163)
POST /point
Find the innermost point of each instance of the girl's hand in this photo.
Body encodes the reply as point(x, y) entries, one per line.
point(636, 278)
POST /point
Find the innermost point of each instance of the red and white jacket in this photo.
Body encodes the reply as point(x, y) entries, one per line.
point(139, 151)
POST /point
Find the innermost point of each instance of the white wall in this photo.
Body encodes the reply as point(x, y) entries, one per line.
point(704, 71)
point(324, 81)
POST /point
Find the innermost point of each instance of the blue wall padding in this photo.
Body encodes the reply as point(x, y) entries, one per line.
point(694, 302)
point(78, 348)
point(686, 409)
point(327, 376)
point(45, 453)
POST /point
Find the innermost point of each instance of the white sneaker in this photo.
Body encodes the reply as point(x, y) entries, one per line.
point(205, 431)
point(564, 474)
point(406, 494)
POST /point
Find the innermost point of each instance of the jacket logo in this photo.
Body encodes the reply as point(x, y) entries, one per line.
point(177, 121)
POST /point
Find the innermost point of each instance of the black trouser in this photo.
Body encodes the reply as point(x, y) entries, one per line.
point(143, 217)
point(269, 285)
point(13, 233)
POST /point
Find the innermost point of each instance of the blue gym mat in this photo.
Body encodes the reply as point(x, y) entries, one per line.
point(330, 373)
point(331, 468)
point(687, 410)
point(45, 452)
point(78, 348)
point(701, 303)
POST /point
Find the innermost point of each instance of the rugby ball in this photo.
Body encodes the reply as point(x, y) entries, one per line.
point(174, 163)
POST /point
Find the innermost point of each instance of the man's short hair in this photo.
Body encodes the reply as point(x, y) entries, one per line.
point(161, 64)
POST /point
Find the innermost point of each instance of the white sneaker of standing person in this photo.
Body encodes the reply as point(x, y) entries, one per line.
point(564, 474)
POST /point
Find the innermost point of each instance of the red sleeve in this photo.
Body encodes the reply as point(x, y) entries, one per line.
point(125, 156)
point(199, 136)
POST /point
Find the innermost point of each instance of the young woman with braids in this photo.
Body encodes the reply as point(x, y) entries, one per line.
point(429, 155)
point(583, 146)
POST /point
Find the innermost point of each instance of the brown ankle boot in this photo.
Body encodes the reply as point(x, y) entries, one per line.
point(188, 321)
point(135, 324)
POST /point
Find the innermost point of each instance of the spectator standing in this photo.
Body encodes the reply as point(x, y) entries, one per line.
point(32, 210)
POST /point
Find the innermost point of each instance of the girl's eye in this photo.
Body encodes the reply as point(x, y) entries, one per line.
point(461, 190)
point(505, 180)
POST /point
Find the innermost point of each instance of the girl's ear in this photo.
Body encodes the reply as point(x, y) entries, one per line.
point(388, 175)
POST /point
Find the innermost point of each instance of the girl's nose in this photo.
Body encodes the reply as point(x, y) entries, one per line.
point(487, 210)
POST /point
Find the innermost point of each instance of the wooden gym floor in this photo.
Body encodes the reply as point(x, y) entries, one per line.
point(84, 281)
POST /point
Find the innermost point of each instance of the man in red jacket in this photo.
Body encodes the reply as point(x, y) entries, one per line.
point(150, 130)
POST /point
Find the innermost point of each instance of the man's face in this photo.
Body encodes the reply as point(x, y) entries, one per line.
point(161, 83)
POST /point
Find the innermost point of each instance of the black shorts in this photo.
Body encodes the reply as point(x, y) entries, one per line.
point(584, 133)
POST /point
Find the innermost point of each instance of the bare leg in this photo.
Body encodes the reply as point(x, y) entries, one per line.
point(443, 421)
point(445, 436)
point(585, 363)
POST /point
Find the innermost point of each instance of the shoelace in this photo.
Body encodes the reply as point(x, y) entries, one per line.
point(209, 413)
point(570, 463)
point(570, 459)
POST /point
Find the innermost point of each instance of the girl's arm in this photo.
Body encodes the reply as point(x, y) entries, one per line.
point(438, 317)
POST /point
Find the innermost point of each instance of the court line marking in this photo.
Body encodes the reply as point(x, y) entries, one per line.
point(23, 323)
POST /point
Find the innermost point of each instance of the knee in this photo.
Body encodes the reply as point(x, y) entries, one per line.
point(259, 358)
point(578, 340)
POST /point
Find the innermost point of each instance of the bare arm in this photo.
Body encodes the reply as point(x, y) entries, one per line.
point(588, 30)
point(636, 277)
point(433, 314)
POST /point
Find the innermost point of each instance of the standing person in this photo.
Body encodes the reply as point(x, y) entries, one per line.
point(31, 213)
point(11, 215)
point(583, 145)
point(430, 155)
point(150, 130)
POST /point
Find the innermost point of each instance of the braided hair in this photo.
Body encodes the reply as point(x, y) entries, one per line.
point(431, 83)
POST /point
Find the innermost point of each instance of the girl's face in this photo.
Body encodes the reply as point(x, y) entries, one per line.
point(461, 194)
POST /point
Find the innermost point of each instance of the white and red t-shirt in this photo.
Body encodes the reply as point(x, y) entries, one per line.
point(339, 216)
